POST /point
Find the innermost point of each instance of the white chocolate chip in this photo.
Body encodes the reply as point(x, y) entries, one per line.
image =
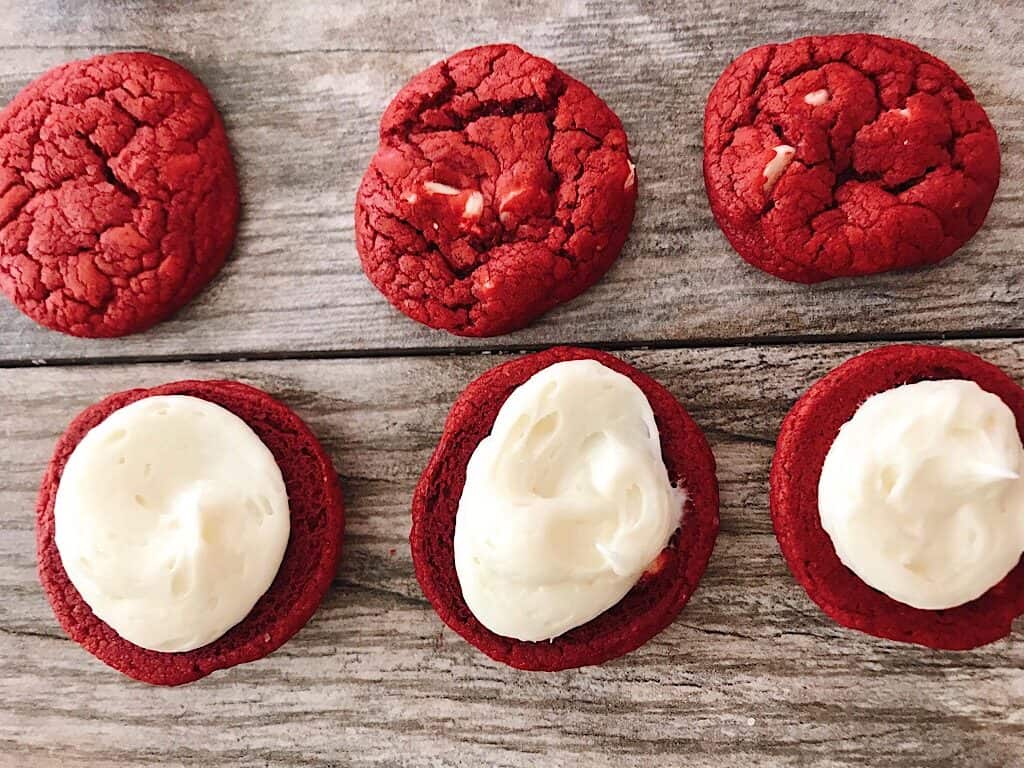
point(817, 98)
point(904, 112)
point(631, 179)
point(411, 197)
point(508, 197)
point(474, 205)
point(439, 189)
point(436, 227)
point(777, 165)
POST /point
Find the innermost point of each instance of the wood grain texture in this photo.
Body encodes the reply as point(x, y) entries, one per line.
point(750, 674)
point(302, 88)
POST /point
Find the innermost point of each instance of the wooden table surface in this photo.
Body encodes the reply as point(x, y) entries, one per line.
point(751, 673)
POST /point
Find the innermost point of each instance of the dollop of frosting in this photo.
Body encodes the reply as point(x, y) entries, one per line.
point(171, 521)
point(566, 503)
point(922, 495)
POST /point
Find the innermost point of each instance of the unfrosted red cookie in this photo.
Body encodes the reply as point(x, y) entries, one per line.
point(846, 155)
point(660, 594)
point(118, 196)
point(804, 441)
point(306, 572)
point(501, 188)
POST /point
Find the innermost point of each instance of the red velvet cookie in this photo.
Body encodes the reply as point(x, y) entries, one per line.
point(118, 196)
point(804, 441)
point(656, 599)
point(306, 572)
point(846, 155)
point(502, 187)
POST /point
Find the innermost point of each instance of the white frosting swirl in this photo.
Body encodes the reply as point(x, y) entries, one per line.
point(922, 495)
point(565, 505)
point(171, 521)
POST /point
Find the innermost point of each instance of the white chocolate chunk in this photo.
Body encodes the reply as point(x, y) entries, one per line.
point(474, 205)
point(904, 112)
point(439, 189)
point(508, 197)
point(777, 165)
point(411, 197)
point(817, 98)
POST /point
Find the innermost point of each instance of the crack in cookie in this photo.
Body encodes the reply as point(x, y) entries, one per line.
point(846, 155)
point(118, 194)
point(501, 188)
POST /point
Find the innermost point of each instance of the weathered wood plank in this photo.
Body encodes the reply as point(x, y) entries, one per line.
point(302, 90)
point(751, 673)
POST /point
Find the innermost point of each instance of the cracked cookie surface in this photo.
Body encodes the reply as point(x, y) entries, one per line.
point(501, 188)
point(846, 155)
point(118, 194)
point(310, 561)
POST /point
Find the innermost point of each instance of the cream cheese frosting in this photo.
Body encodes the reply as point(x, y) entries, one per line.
point(171, 521)
point(921, 493)
point(566, 503)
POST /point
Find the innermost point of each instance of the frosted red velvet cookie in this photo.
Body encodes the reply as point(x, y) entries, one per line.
point(187, 528)
point(897, 497)
point(567, 513)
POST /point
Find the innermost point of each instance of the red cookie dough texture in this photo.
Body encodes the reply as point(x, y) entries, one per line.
point(306, 572)
point(846, 155)
point(502, 187)
point(118, 196)
point(806, 436)
point(660, 594)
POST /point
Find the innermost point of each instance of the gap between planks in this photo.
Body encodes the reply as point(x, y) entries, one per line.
point(999, 334)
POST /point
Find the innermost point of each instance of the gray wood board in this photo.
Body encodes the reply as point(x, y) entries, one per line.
point(750, 674)
point(302, 89)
